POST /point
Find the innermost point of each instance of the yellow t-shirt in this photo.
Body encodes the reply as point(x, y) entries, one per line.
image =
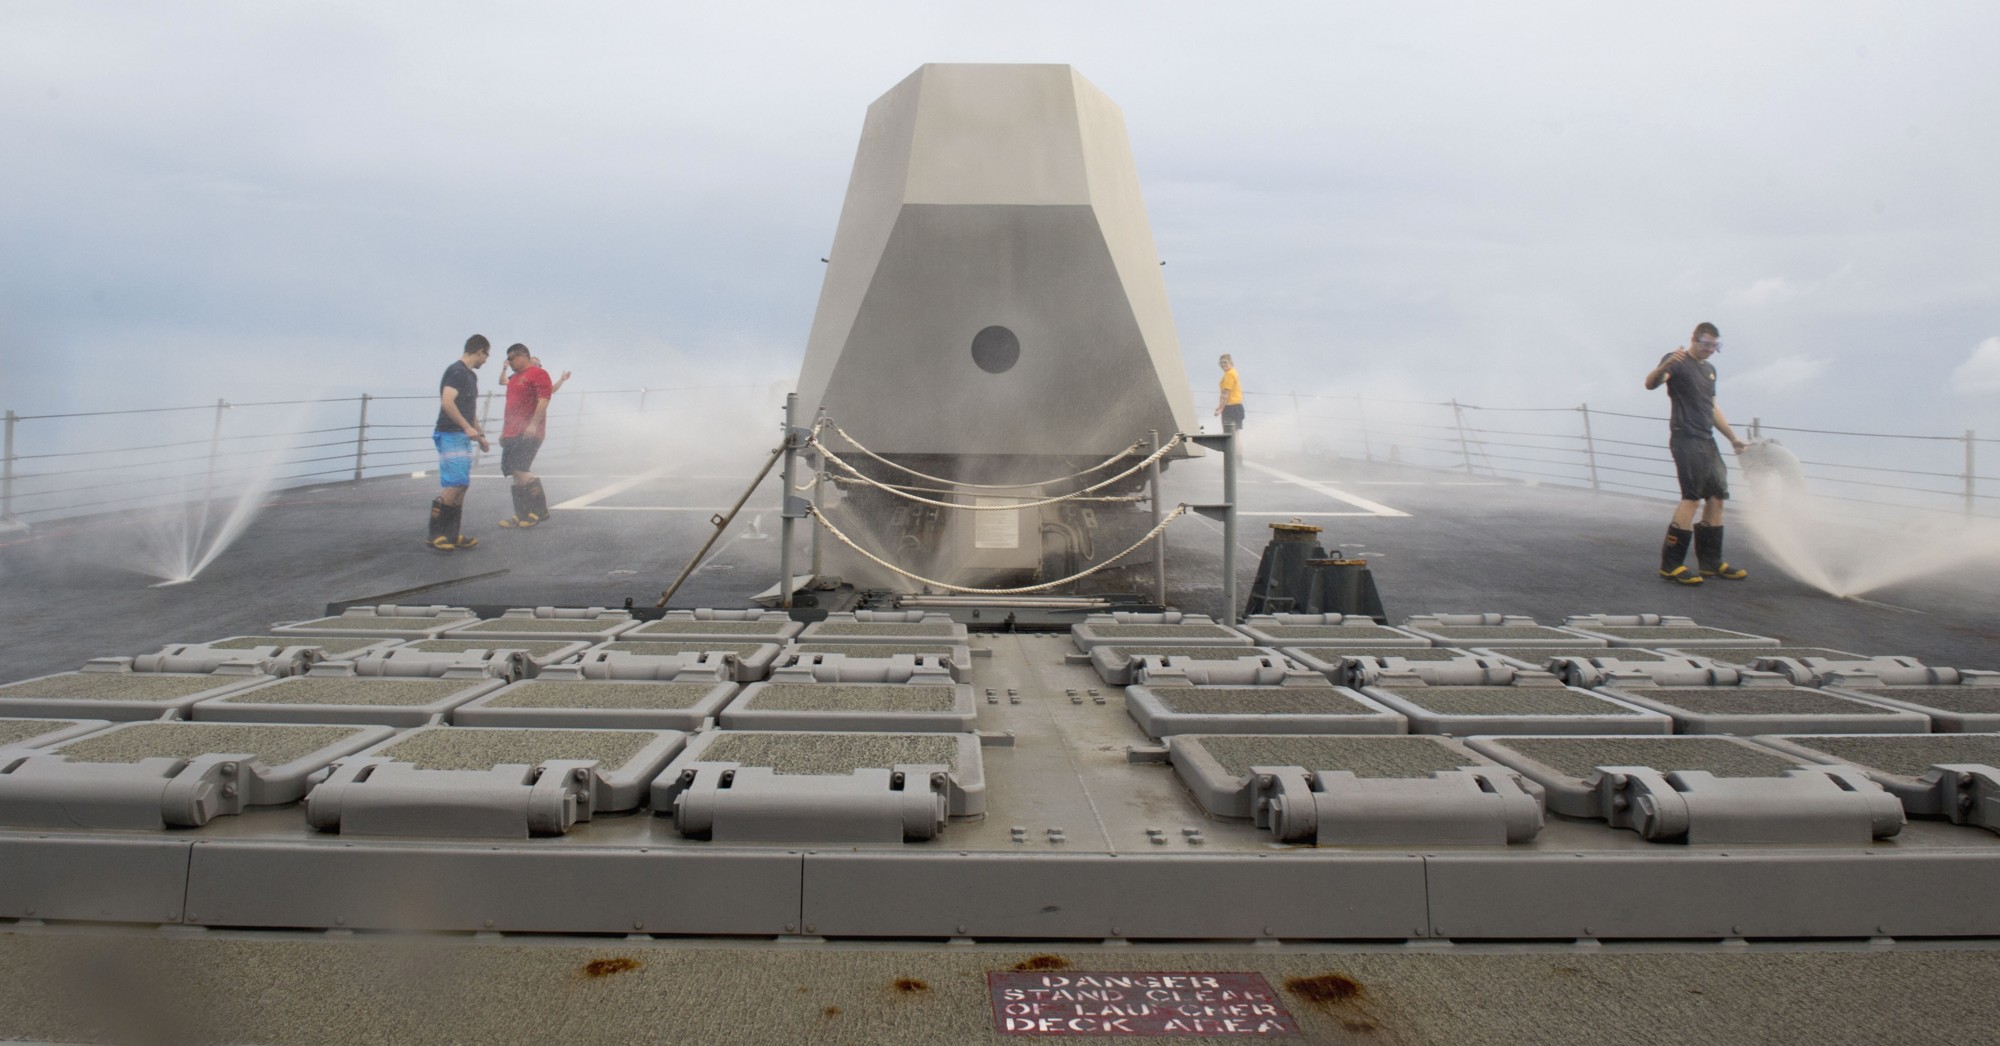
point(1232, 389)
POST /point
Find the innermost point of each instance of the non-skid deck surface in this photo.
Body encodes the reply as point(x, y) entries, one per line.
point(906, 629)
point(1579, 757)
point(1310, 633)
point(530, 647)
point(272, 744)
point(361, 690)
point(1743, 655)
point(1365, 756)
point(1907, 755)
point(1543, 653)
point(1259, 700)
point(668, 629)
point(572, 626)
point(1967, 699)
point(16, 730)
point(1758, 700)
point(467, 748)
point(860, 650)
point(381, 624)
point(1660, 635)
point(573, 693)
point(1411, 653)
point(665, 648)
point(1506, 700)
point(115, 686)
point(805, 753)
point(838, 697)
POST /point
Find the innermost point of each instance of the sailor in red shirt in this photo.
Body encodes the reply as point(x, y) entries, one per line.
point(528, 392)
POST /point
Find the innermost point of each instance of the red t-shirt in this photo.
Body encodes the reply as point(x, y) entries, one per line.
point(523, 391)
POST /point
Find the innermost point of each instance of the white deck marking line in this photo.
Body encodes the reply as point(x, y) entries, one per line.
point(1309, 515)
point(623, 485)
point(1886, 606)
point(1375, 508)
point(715, 510)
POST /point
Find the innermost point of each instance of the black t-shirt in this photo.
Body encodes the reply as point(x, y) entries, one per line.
point(459, 378)
point(1691, 388)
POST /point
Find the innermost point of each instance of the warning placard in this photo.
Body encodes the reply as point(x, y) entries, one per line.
point(1076, 1002)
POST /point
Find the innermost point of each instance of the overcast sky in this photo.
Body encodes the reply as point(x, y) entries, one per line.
point(1499, 202)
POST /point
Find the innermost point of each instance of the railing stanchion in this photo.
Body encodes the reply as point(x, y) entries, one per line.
point(785, 499)
point(1589, 448)
point(819, 480)
point(1361, 411)
point(7, 477)
point(1229, 455)
point(1971, 473)
point(214, 446)
point(361, 440)
point(1464, 453)
point(1756, 427)
point(1160, 542)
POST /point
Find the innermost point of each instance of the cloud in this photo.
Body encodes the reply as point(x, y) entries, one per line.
point(1768, 291)
point(1783, 374)
point(1981, 371)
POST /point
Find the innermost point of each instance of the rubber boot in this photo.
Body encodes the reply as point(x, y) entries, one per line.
point(1673, 557)
point(538, 501)
point(440, 538)
point(519, 492)
point(456, 513)
point(1708, 553)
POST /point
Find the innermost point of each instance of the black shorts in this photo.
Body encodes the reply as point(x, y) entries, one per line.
point(1698, 465)
point(517, 453)
point(1233, 415)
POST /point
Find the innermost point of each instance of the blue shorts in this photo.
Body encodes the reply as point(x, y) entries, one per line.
point(454, 458)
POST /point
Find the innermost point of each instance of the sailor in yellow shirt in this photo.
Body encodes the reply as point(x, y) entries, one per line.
point(1230, 405)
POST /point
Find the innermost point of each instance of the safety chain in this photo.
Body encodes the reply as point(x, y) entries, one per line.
point(1072, 496)
point(817, 515)
point(1100, 466)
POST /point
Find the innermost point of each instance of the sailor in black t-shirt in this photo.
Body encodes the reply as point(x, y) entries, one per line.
point(457, 431)
point(1704, 480)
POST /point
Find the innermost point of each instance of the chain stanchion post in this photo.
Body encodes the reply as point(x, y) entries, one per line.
point(1464, 452)
point(1589, 448)
point(1971, 473)
point(1159, 542)
point(361, 440)
point(7, 476)
point(785, 520)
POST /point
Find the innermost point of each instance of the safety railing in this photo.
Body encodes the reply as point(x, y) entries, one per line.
point(1615, 451)
point(66, 464)
point(62, 464)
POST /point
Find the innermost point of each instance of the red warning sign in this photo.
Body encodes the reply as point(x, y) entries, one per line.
point(1080, 1002)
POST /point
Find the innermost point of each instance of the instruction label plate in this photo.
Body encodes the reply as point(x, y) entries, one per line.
point(996, 529)
point(1148, 1003)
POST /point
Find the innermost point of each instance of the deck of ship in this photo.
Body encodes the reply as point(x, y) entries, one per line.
point(1804, 942)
